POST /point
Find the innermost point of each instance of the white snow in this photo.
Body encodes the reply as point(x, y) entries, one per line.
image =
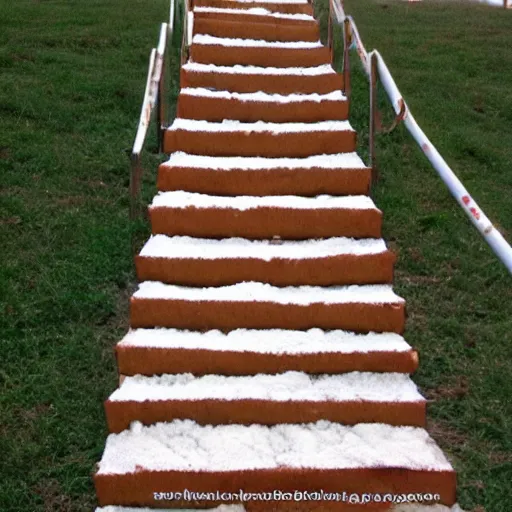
point(283, 387)
point(345, 161)
point(267, 341)
point(184, 247)
point(182, 199)
point(186, 446)
point(230, 125)
point(325, 69)
point(263, 97)
point(256, 11)
point(241, 508)
point(260, 292)
point(221, 508)
point(260, 43)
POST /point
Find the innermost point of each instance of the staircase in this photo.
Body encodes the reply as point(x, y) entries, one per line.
point(266, 350)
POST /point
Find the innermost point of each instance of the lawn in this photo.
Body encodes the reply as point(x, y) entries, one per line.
point(72, 76)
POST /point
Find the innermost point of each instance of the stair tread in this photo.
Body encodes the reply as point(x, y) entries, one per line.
point(255, 11)
point(332, 161)
point(182, 445)
point(233, 126)
point(260, 292)
point(263, 97)
point(267, 341)
point(162, 246)
point(289, 386)
point(206, 39)
point(181, 199)
point(239, 69)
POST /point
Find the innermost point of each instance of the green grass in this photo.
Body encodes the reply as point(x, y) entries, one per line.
point(72, 76)
point(452, 62)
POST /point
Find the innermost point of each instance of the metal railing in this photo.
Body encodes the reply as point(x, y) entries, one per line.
point(376, 70)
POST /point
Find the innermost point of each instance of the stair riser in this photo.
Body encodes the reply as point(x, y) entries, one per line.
point(263, 412)
point(252, 19)
point(139, 488)
point(274, 182)
point(258, 31)
point(259, 56)
point(274, 84)
point(266, 144)
point(226, 316)
point(230, 4)
point(218, 109)
point(265, 223)
point(153, 361)
point(334, 270)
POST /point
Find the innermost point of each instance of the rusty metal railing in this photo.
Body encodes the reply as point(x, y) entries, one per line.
point(376, 70)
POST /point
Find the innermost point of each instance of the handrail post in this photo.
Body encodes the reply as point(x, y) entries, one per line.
point(373, 115)
point(347, 41)
point(329, 33)
point(135, 176)
point(161, 111)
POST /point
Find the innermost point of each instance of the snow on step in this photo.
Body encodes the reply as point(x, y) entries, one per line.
point(248, 352)
point(315, 79)
point(289, 386)
point(161, 246)
point(180, 199)
point(205, 39)
point(262, 306)
point(364, 458)
point(226, 51)
point(289, 217)
point(289, 6)
point(346, 161)
point(325, 69)
point(205, 104)
point(291, 397)
point(255, 11)
point(230, 126)
point(259, 139)
point(209, 262)
point(263, 97)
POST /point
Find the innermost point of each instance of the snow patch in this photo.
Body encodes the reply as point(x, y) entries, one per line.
point(230, 125)
point(256, 11)
point(253, 43)
point(343, 161)
point(184, 247)
point(260, 292)
point(283, 387)
point(267, 341)
point(325, 69)
point(182, 199)
point(263, 97)
point(185, 446)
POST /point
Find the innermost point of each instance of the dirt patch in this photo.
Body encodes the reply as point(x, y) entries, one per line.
point(459, 388)
point(446, 435)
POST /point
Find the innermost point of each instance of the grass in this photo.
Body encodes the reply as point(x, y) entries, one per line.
point(452, 62)
point(71, 82)
point(72, 77)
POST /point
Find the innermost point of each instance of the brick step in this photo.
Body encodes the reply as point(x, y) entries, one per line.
point(289, 7)
point(341, 174)
point(309, 80)
point(279, 505)
point(222, 51)
point(210, 262)
point(288, 217)
point(254, 16)
point(272, 140)
point(200, 103)
point(291, 397)
point(270, 31)
point(369, 308)
point(249, 352)
point(366, 458)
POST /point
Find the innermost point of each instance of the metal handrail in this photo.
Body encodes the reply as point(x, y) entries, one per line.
point(376, 69)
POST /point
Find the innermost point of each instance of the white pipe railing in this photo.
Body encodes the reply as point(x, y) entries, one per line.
point(476, 215)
